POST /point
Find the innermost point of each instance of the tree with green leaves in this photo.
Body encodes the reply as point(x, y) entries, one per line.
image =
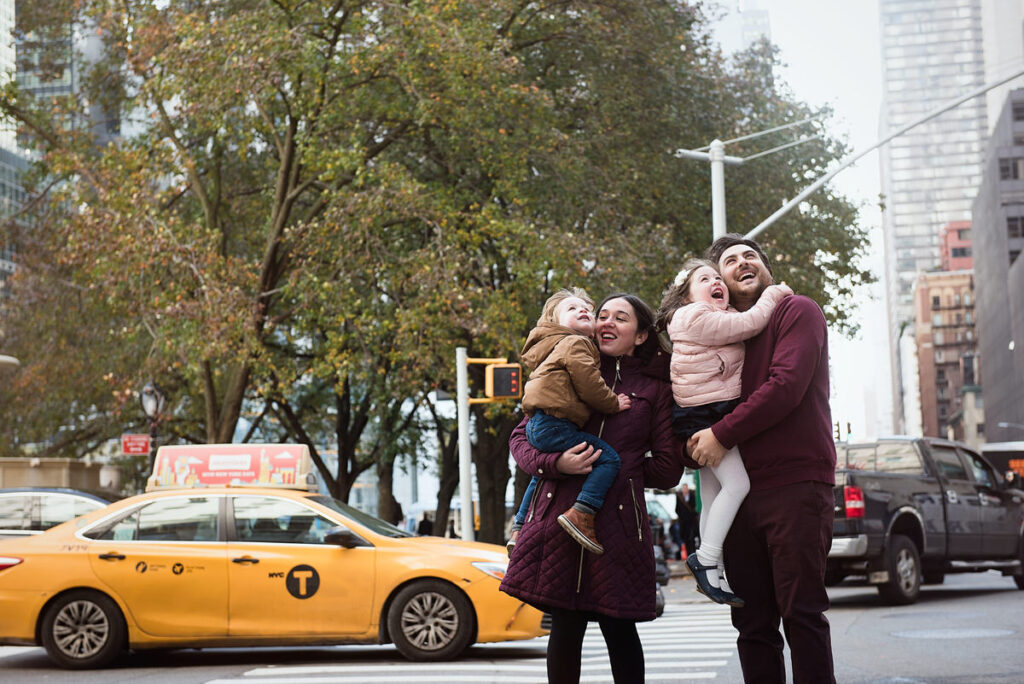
point(311, 203)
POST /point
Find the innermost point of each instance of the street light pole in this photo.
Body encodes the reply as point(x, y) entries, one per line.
point(154, 403)
point(717, 157)
point(849, 161)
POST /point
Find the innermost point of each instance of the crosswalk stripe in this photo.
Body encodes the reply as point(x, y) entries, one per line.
point(688, 643)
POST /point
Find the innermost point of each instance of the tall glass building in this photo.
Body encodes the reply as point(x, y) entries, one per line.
point(932, 52)
point(11, 162)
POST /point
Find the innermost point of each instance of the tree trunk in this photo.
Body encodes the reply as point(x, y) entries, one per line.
point(388, 508)
point(493, 473)
point(448, 475)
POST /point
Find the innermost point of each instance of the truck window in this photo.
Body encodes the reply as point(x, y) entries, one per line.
point(899, 457)
point(948, 463)
point(860, 458)
point(980, 470)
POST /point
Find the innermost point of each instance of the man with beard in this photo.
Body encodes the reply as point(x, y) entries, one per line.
point(778, 544)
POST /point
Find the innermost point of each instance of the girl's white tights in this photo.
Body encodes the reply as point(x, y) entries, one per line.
point(722, 490)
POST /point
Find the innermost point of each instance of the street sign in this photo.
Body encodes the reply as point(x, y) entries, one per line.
point(134, 445)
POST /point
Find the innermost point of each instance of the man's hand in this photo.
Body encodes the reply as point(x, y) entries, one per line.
point(705, 448)
point(577, 460)
point(624, 402)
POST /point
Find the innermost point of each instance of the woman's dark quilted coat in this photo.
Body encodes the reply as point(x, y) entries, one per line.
point(548, 568)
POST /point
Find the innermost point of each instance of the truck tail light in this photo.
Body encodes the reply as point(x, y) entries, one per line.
point(8, 562)
point(854, 498)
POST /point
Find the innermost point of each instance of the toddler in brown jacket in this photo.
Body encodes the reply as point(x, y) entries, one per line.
point(565, 386)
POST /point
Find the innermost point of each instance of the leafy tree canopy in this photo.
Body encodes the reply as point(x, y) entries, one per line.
point(310, 203)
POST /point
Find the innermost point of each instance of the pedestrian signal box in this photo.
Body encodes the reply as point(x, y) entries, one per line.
point(503, 381)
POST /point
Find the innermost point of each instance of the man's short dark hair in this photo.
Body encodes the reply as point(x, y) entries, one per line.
point(714, 252)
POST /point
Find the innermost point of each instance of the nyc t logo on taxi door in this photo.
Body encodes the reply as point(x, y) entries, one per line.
point(302, 581)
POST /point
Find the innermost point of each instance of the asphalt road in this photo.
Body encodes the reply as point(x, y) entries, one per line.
point(966, 631)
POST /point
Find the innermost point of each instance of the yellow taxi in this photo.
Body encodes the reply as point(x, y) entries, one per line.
point(230, 547)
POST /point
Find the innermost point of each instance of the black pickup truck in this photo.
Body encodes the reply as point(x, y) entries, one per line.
point(910, 510)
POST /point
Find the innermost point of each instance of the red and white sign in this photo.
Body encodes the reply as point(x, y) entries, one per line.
point(230, 464)
point(134, 445)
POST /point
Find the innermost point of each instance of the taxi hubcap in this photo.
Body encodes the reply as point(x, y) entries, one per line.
point(81, 629)
point(430, 621)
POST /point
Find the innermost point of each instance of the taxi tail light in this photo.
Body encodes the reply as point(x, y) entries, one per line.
point(854, 498)
point(8, 562)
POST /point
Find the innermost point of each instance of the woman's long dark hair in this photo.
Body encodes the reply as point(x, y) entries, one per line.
point(645, 321)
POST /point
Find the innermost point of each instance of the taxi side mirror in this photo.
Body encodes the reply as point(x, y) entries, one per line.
point(343, 537)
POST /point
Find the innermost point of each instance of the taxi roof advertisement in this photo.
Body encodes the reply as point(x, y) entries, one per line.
point(206, 465)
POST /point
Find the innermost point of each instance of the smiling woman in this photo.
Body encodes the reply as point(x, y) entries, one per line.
point(548, 569)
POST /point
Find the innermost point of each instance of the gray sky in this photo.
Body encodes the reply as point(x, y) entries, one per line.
point(832, 55)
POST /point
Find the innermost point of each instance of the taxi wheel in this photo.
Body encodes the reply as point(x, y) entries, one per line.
point(431, 620)
point(83, 629)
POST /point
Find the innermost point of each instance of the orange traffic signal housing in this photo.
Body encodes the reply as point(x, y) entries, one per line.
point(503, 381)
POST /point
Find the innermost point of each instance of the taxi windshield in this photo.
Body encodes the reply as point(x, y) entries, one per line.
point(365, 519)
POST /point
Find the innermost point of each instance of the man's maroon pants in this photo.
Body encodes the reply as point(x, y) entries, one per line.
point(775, 561)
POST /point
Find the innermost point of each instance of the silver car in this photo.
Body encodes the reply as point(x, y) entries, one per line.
point(31, 510)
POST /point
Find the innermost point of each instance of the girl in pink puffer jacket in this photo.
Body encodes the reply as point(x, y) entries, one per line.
point(707, 360)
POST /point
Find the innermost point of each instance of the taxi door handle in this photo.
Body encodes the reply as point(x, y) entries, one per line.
point(245, 559)
point(111, 556)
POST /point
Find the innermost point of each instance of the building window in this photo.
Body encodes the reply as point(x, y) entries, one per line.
point(967, 299)
point(967, 318)
point(1018, 111)
point(1011, 168)
point(937, 319)
point(938, 338)
point(959, 319)
point(1015, 226)
point(936, 302)
point(981, 429)
point(956, 299)
point(965, 233)
point(1018, 138)
point(961, 252)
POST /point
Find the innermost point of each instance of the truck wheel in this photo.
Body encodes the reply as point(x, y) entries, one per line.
point(431, 620)
point(904, 566)
point(83, 629)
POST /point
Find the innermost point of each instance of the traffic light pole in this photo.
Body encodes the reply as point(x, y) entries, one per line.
point(465, 454)
point(462, 402)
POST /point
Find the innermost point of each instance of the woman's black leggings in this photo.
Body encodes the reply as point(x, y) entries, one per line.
point(565, 647)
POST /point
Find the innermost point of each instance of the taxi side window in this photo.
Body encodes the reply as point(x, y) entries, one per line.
point(188, 519)
point(271, 520)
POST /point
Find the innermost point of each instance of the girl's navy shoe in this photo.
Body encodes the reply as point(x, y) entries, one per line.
point(716, 594)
